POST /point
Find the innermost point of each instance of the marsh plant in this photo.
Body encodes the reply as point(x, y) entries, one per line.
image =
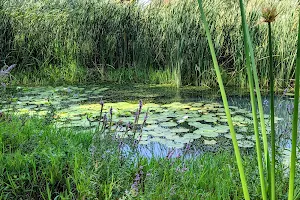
point(266, 166)
point(80, 41)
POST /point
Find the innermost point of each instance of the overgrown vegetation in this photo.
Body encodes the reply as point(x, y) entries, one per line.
point(38, 161)
point(80, 41)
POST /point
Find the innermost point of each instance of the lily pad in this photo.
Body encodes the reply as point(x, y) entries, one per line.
point(238, 136)
point(210, 142)
point(245, 144)
point(179, 130)
point(207, 133)
point(168, 124)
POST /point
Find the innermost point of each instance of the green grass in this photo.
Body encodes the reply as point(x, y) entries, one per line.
point(94, 41)
point(38, 161)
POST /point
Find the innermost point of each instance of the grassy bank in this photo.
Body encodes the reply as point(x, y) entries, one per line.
point(79, 41)
point(38, 161)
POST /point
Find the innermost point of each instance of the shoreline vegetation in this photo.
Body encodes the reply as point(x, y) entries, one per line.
point(66, 143)
point(81, 42)
point(39, 161)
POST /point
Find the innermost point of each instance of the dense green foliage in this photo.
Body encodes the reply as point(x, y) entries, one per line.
point(87, 41)
point(38, 161)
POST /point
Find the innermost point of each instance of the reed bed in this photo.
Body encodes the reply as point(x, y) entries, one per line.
point(87, 41)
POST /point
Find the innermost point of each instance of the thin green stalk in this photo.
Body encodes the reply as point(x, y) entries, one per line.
point(255, 120)
point(257, 88)
point(225, 103)
point(295, 122)
point(271, 74)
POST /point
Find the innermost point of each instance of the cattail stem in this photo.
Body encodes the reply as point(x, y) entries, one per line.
point(272, 105)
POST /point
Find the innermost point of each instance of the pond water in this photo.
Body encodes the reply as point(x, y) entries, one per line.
point(176, 117)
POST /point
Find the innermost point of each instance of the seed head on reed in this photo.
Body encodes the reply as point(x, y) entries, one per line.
point(269, 14)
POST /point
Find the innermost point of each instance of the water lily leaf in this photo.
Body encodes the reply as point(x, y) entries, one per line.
point(168, 124)
point(186, 140)
point(179, 130)
point(173, 137)
point(198, 124)
point(210, 142)
point(155, 134)
point(162, 130)
point(245, 144)
point(206, 133)
point(175, 145)
point(150, 127)
point(238, 136)
point(191, 136)
point(211, 120)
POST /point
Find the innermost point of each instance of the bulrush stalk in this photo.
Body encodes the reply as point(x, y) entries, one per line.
point(295, 122)
point(256, 82)
point(255, 121)
point(225, 103)
point(269, 15)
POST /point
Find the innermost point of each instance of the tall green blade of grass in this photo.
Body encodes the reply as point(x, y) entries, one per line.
point(271, 71)
point(295, 122)
point(253, 107)
point(225, 103)
point(257, 88)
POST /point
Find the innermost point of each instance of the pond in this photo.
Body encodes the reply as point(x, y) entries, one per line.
point(175, 117)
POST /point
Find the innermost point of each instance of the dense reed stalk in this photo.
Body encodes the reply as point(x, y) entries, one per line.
point(295, 122)
point(272, 112)
point(269, 15)
point(225, 103)
point(96, 40)
point(257, 89)
point(254, 108)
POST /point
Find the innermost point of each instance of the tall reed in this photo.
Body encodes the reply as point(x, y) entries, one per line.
point(295, 121)
point(225, 102)
point(104, 37)
point(269, 15)
point(253, 103)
